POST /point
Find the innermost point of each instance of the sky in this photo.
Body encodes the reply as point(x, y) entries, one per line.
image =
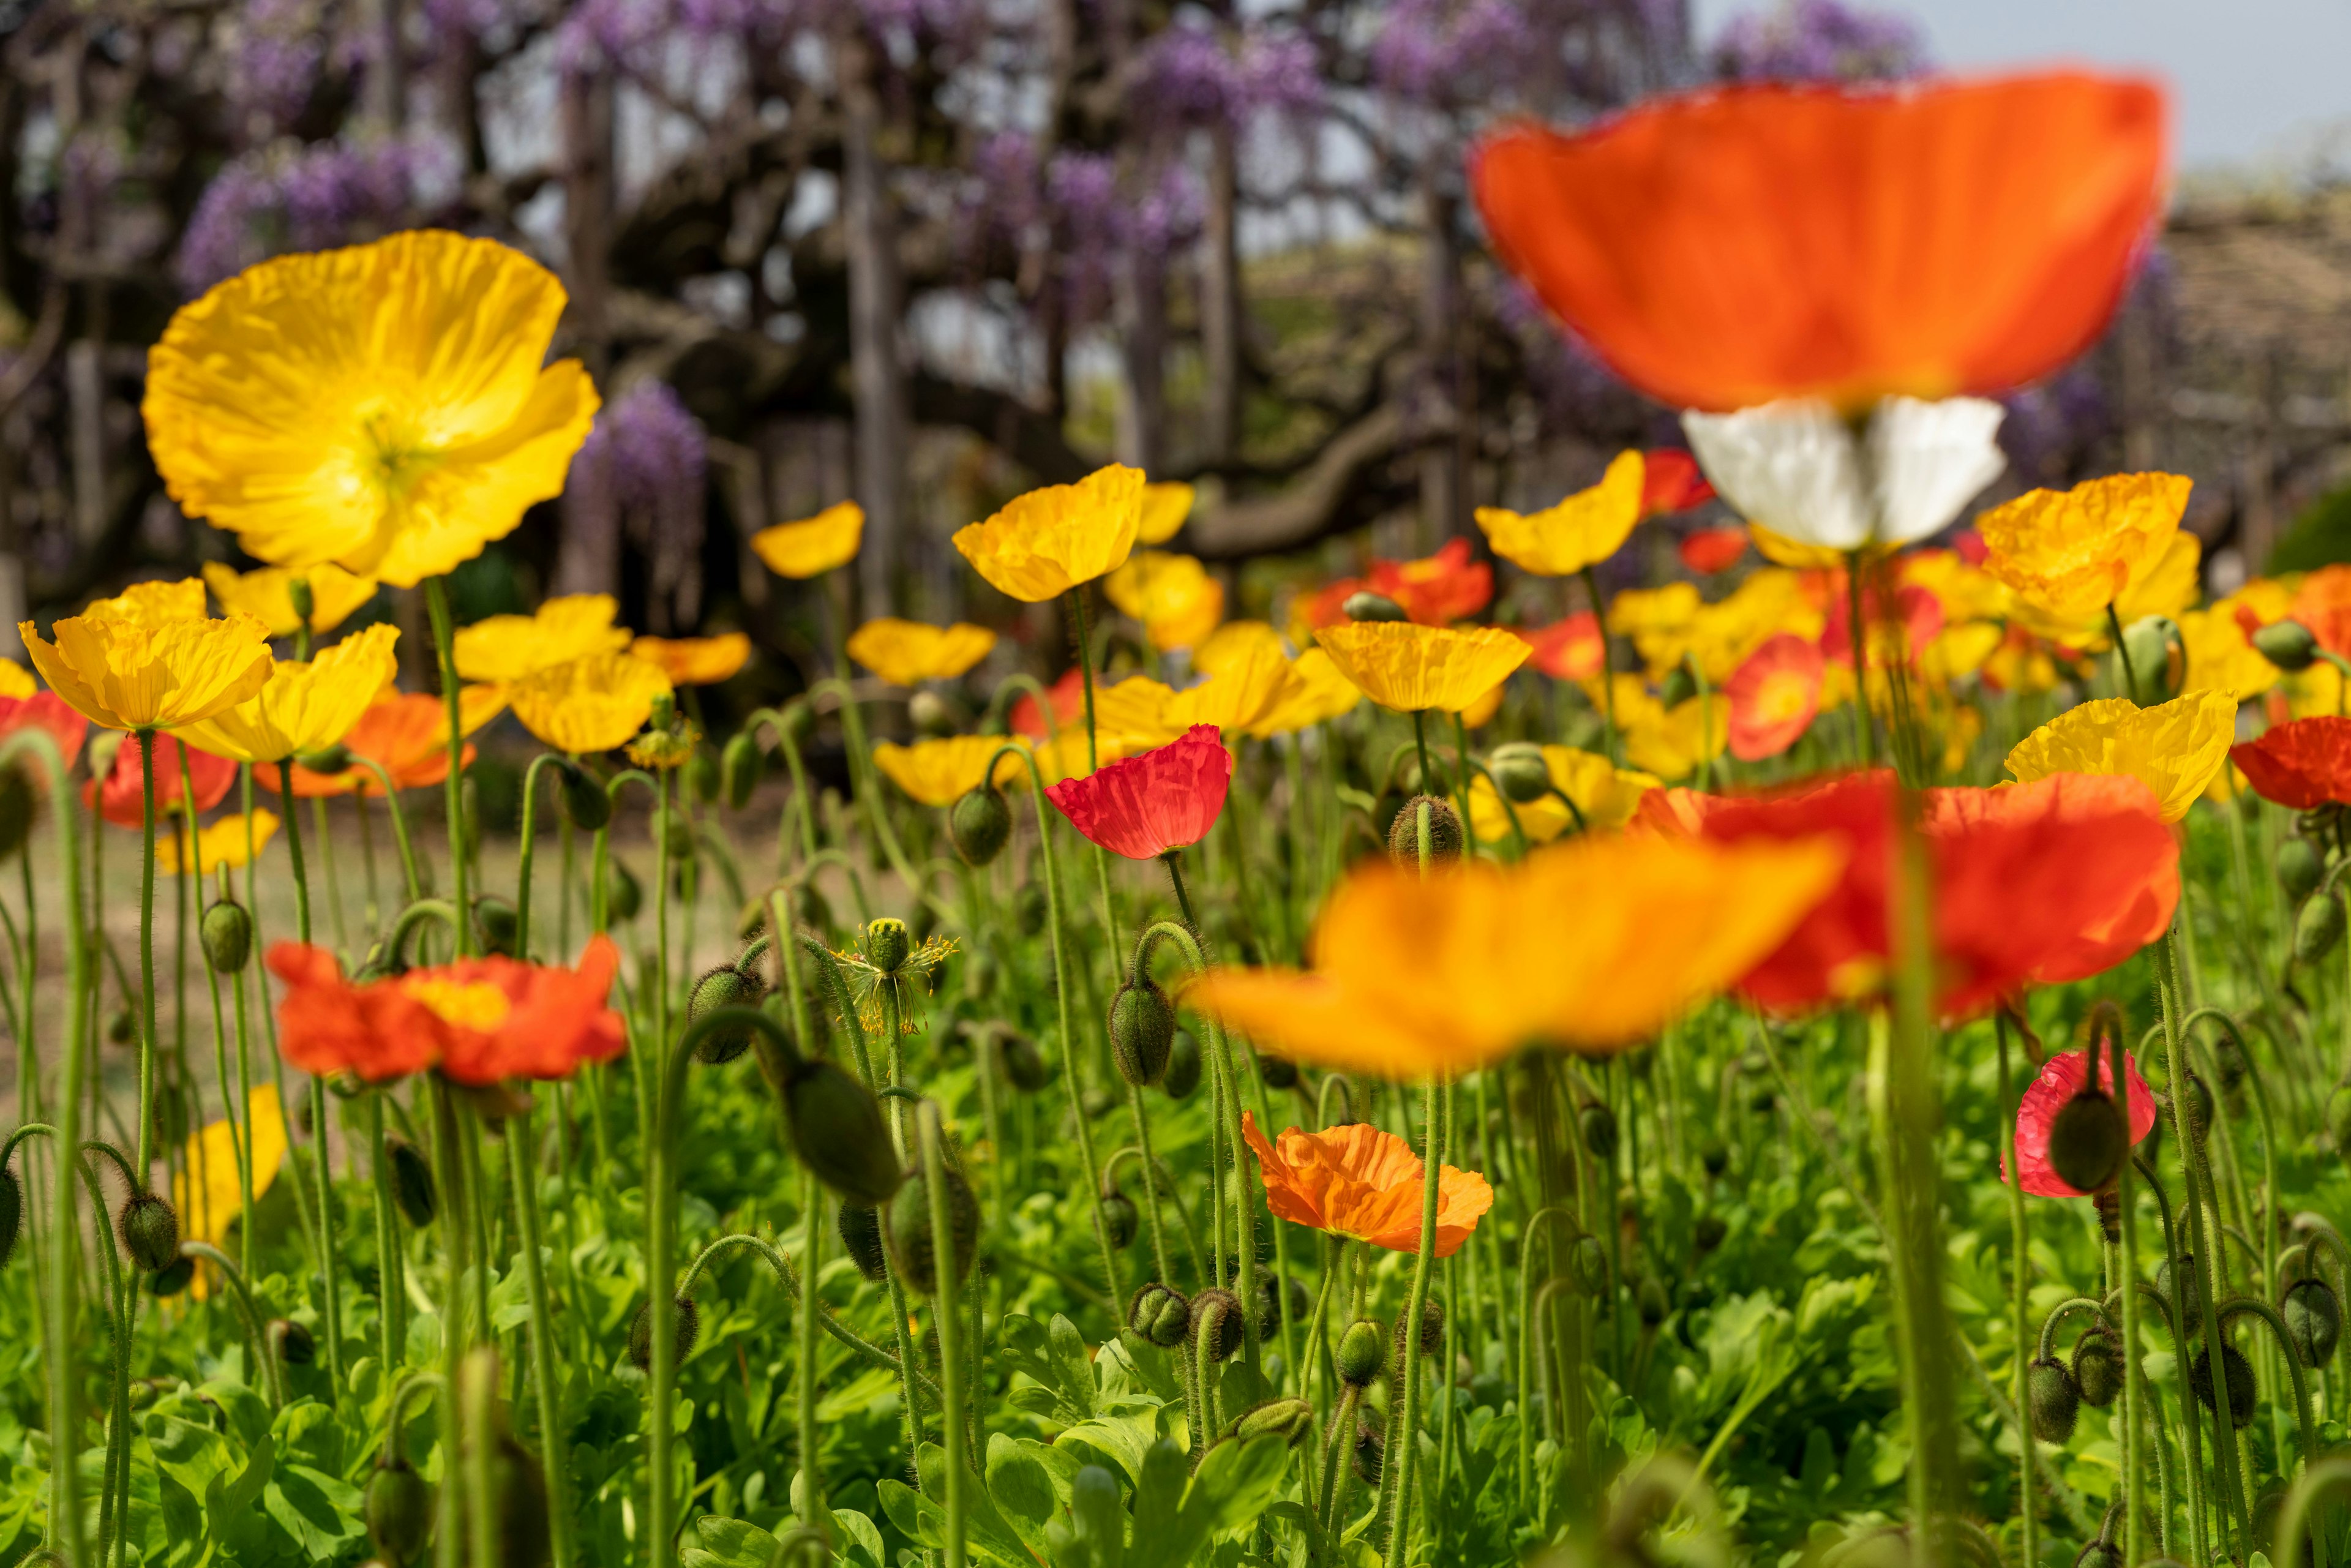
point(2258, 84)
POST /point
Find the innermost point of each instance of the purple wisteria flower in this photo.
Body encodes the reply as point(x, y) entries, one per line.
point(1820, 40)
point(288, 197)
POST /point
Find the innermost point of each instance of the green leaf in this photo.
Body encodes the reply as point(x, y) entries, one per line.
point(1056, 1358)
point(729, 1543)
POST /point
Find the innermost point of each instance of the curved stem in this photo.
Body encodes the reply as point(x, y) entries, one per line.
point(524, 855)
point(943, 1309)
point(399, 818)
point(273, 1377)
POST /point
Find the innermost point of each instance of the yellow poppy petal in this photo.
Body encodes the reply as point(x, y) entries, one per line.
point(2175, 749)
point(2072, 553)
point(1582, 530)
point(1050, 540)
point(267, 595)
point(305, 706)
point(592, 703)
point(907, 653)
point(813, 546)
point(508, 647)
point(1408, 667)
point(1166, 507)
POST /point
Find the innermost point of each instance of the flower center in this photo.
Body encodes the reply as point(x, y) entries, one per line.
point(400, 459)
point(474, 1004)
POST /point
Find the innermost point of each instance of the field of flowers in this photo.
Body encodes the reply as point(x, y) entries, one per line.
point(1376, 1088)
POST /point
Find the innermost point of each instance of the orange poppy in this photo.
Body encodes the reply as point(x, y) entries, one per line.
point(1710, 550)
point(695, 660)
point(1775, 697)
point(1436, 590)
point(1568, 648)
point(121, 796)
point(1365, 1183)
point(1730, 248)
point(2323, 603)
point(407, 735)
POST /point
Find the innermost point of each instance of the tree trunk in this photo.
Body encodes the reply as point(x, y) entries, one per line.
point(877, 372)
point(387, 83)
point(1220, 302)
point(1443, 483)
point(588, 561)
point(1143, 342)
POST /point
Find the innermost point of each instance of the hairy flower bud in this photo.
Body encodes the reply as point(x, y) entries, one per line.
point(2238, 1373)
point(625, 896)
point(2191, 1299)
point(740, 765)
point(859, 1229)
point(2299, 868)
point(980, 823)
point(723, 987)
point(1599, 1125)
point(838, 1131)
point(1432, 1331)
point(1363, 1353)
point(12, 1212)
point(1370, 1450)
point(1160, 1315)
point(1120, 1220)
point(166, 1283)
point(2056, 1398)
point(1183, 1074)
point(1653, 1302)
point(888, 944)
point(703, 776)
point(412, 1181)
point(1715, 1158)
point(1142, 1032)
point(296, 1347)
point(2313, 1320)
point(151, 1232)
point(1216, 1320)
point(1443, 831)
point(581, 799)
point(2087, 1141)
point(2288, 644)
point(2317, 929)
point(1023, 1065)
point(227, 934)
point(499, 923)
point(1707, 1231)
point(907, 1230)
point(1365, 605)
point(686, 1329)
point(1520, 771)
point(2098, 1368)
point(1288, 1419)
point(1587, 1265)
point(1277, 1072)
point(2158, 658)
point(398, 1508)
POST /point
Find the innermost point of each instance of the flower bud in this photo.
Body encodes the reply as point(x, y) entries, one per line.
point(888, 944)
point(2055, 1399)
point(1183, 1074)
point(624, 896)
point(980, 823)
point(1363, 1353)
point(121, 1029)
point(151, 1232)
point(703, 776)
point(1432, 1331)
point(1120, 1220)
point(1587, 1265)
point(1444, 835)
point(1288, 1419)
point(581, 799)
point(930, 713)
point(1707, 1233)
point(398, 1509)
point(2288, 644)
point(1023, 1065)
point(1680, 685)
point(296, 1347)
point(686, 1328)
point(1599, 1124)
point(1370, 1450)
point(1365, 605)
point(227, 934)
point(838, 1131)
point(2318, 929)
point(17, 802)
point(1715, 1158)
point(1520, 771)
point(2098, 1368)
point(412, 1181)
point(1277, 1072)
point(673, 833)
point(1653, 1303)
point(723, 987)
point(1142, 1032)
point(2313, 1320)
point(2198, 1106)
point(2299, 868)
point(1216, 1320)
point(499, 923)
point(2191, 1299)
point(859, 1229)
point(11, 1213)
point(1160, 1315)
point(740, 765)
point(2237, 1372)
point(907, 1230)
point(2158, 658)
point(328, 759)
point(520, 1487)
point(1031, 908)
point(2099, 1553)
point(168, 1282)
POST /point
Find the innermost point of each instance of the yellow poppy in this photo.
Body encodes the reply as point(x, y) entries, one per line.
point(1568, 948)
point(1136, 710)
point(1966, 592)
point(1179, 602)
point(1232, 642)
point(695, 660)
point(218, 844)
point(1781, 550)
point(151, 603)
point(1960, 650)
point(1581, 530)
point(123, 675)
point(941, 772)
point(305, 706)
point(592, 703)
point(508, 647)
point(269, 595)
point(1050, 540)
point(1166, 507)
point(2174, 748)
point(15, 680)
point(1606, 795)
point(1659, 622)
point(1480, 709)
point(384, 407)
point(813, 546)
point(1406, 666)
point(206, 1189)
point(2220, 658)
point(1064, 755)
point(2072, 553)
point(1318, 691)
point(1240, 698)
point(1669, 742)
point(906, 653)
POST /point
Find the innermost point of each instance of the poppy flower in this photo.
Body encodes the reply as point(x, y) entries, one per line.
point(1670, 482)
point(1743, 246)
point(2062, 1077)
point(1364, 1183)
point(1454, 971)
point(1898, 631)
point(1241, 697)
point(206, 1190)
point(267, 595)
point(2300, 765)
point(231, 842)
point(44, 710)
point(1407, 666)
point(508, 647)
point(406, 735)
point(2174, 748)
point(479, 1020)
point(152, 603)
point(1774, 697)
point(307, 706)
point(588, 704)
point(1800, 470)
point(1569, 649)
point(908, 652)
point(813, 546)
point(1179, 602)
point(1316, 693)
point(1234, 642)
point(1166, 507)
point(1710, 551)
point(1068, 695)
point(695, 660)
point(2072, 553)
point(1050, 540)
point(120, 797)
point(385, 407)
point(1149, 804)
point(2043, 883)
point(1605, 798)
point(1584, 529)
point(132, 674)
point(1433, 590)
point(2220, 655)
point(941, 772)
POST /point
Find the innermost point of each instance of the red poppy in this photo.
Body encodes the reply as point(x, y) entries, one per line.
point(1710, 550)
point(1361, 1182)
point(45, 710)
point(1153, 802)
point(1069, 697)
point(1436, 590)
point(1916, 609)
point(120, 796)
point(2043, 883)
point(479, 1020)
point(1971, 545)
point(2299, 765)
point(1670, 482)
point(2061, 1079)
point(1727, 248)
point(1775, 697)
point(1568, 650)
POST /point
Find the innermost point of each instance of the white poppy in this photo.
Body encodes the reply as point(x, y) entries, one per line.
point(1796, 468)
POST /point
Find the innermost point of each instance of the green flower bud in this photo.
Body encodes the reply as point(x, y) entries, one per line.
point(838, 1131)
point(1599, 1124)
point(520, 1487)
point(1707, 1234)
point(912, 1243)
point(861, 1236)
point(2313, 1320)
point(327, 760)
point(2288, 644)
point(1030, 909)
point(980, 823)
point(18, 804)
point(623, 895)
point(723, 987)
point(1120, 1220)
point(2087, 1144)
point(1652, 1300)
point(1444, 835)
point(1370, 1450)
point(2158, 658)
point(11, 1213)
point(1363, 1353)
point(2191, 1296)
point(1432, 1331)
point(1217, 1323)
point(2099, 1554)
point(740, 767)
point(2198, 1106)
point(151, 1232)
point(1277, 1072)
point(168, 1282)
point(227, 936)
point(2056, 1398)
point(1365, 605)
point(1022, 1063)
point(1288, 1419)
point(296, 1347)
point(2098, 1368)
point(411, 1182)
point(702, 776)
point(499, 923)
point(686, 1328)
point(1680, 686)
point(1142, 1032)
point(1715, 1158)
point(398, 1508)
point(581, 797)
point(2237, 1372)
point(1183, 1074)
point(674, 834)
point(1520, 771)
point(1587, 1265)
point(888, 945)
point(2318, 929)
point(121, 1029)
point(1160, 1315)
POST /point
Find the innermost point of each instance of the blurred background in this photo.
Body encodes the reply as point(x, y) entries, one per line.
point(929, 252)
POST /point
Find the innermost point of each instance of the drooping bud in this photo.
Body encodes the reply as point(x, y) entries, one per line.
point(1432, 1330)
point(740, 765)
point(1442, 830)
point(151, 1232)
point(168, 1282)
point(2099, 1553)
point(2098, 1368)
point(2087, 1144)
point(2313, 1320)
point(1120, 1220)
point(1370, 1450)
point(581, 799)
point(1277, 1072)
point(296, 1347)
point(327, 759)
point(1288, 1419)
point(1142, 1032)
point(499, 923)
point(911, 1245)
point(2198, 1106)
point(1216, 1320)
point(980, 823)
point(2288, 644)
point(2238, 1373)
point(1365, 605)
point(2191, 1299)
point(1183, 1074)
point(227, 934)
point(398, 1508)
point(1715, 1158)
point(686, 1329)
point(1363, 1353)
point(702, 776)
point(1520, 771)
point(2056, 1398)
point(2299, 867)
point(1587, 1265)
point(2317, 929)
point(2158, 658)
point(888, 944)
point(412, 1181)
point(625, 896)
point(520, 1487)
point(12, 1212)
point(1707, 1231)
point(1160, 1315)
point(723, 987)
point(1599, 1124)
point(1652, 1300)
point(838, 1131)
point(17, 803)
point(861, 1236)
point(1023, 1063)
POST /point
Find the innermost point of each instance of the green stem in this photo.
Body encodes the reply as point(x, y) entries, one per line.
point(1607, 665)
point(146, 1131)
point(522, 1174)
point(2020, 1304)
point(436, 604)
point(448, 1547)
point(2134, 1462)
point(1400, 1465)
point(943, 1308)
point(524, 855)
point(1864, 734)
